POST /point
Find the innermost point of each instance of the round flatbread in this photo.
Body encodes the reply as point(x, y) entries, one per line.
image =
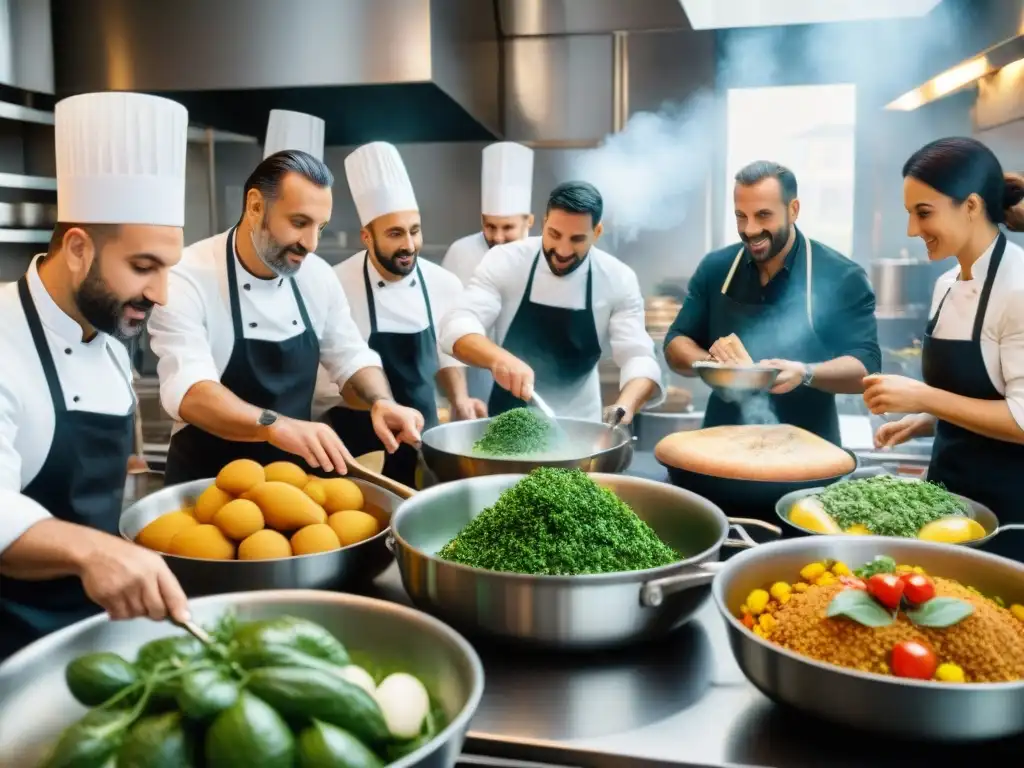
point(773, 453)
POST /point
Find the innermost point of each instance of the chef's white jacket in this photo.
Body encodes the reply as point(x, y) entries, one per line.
point(400, 309)
point(1002, 330)
point(92, 378)
point(494, 294)
point(192, 335)
point(464, 255)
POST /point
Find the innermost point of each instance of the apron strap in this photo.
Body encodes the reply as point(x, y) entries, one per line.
point(371, 305)
point(986, 291)
point(233, 299)
point(810, 259)
point(426, 299)
point(301, 304)
point(35, 327)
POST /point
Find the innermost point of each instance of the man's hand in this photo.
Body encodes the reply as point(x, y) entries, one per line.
point(469, 408)
point(317, 443)
point(128, 581)
point(396, 424)
point(895, 394)
point(512, 374)
point(610, 412)
point(894, 433)
point(730, 350)
point(791, 374)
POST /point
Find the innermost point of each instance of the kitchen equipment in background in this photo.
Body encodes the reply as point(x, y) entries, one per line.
point(8, 215)
point(903, 286)
point(674, 414)
point(659, 314)
point(32, 215)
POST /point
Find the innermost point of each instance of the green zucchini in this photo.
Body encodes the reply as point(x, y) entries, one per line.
point(304, 694)
point(255, 653)
point(301, 634)
point(96, 677)
point(160, 741)
point(91, 742)
point(251, 734)
point(167, 654)
point(323, 745)
point(205, 693)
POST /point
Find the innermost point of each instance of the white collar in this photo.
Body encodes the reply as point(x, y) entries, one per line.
point(52, 316)
point(587, 264)
point(380, 283)
point(979, 270)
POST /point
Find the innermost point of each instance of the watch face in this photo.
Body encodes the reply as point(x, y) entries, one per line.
point(267, 418)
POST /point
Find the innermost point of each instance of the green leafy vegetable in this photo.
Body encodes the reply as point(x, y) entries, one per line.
point(888, 506)
point(881, 564)
point(940, 612)
point(858, 605)
point(515, 432)
point(558, 522)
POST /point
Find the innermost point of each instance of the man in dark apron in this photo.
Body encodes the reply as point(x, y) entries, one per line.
point(121, 215)
point(396, 284)
point(792, 303)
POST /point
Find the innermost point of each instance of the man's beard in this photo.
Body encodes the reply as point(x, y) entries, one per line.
point(391, 263)
point(104, 311)
point(274, 255)
point(556, 268)
point(778, 240)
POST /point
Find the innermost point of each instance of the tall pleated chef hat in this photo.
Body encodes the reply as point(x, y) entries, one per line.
point(506, 179)
point(294, 130)
point(379, 182)
point(120, 159)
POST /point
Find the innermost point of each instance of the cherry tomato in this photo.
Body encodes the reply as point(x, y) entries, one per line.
point(912, 658)
point(886, 588)
point(917, 588)
point(748, 621)
point(853, 582)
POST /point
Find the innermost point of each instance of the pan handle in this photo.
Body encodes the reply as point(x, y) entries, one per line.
point(652, 593)
point(1004, 529)
point(745, 541)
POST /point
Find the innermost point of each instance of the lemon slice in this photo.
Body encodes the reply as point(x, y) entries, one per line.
point(859, 529)
point(952, 530)
point(810, 515)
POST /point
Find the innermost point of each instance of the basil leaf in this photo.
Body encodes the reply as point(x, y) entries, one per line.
point(858, 605)
point(940, 612)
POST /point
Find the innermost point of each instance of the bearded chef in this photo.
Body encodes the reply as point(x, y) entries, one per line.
point(66, 401)
point(506, 190)
point(251, 315)
point(555, 305)
point(396, 299)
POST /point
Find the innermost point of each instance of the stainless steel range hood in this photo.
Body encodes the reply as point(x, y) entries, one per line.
point(395, 70)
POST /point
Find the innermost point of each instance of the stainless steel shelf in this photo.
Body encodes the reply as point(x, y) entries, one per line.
point(25, 114)
point(19, 181)
point(25, 235)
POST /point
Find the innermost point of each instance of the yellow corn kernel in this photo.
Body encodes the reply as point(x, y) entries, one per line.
point(918, 569)
point(767, 622)
point(949, 673)
point(801, 587)
point(812, 571)
point(780, 588)
point(1017, 610)
point(904, 569)
point(825, 579)
point(744, 609)
point(757, 601)
point(883, 668)
point(784, 599)
point(758, 630)
point(841, 569)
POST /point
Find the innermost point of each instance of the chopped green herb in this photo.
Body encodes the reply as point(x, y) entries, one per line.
point(515, 432)
point(558, 522)
point(881, 564)
point(888, 506)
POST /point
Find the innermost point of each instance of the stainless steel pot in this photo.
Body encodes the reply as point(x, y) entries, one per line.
point(567, 612)
point(8, 215)
point(588, 445)
point(338, 569)
point(650, 427)
point(897, 706)
point(32, 215)
point(35, 704)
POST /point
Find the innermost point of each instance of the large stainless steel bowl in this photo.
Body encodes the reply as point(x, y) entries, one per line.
point(567, 612)
point(338, 569)
point(736, 383)
point(901, 707)
point(35, 704)
point(587, 445)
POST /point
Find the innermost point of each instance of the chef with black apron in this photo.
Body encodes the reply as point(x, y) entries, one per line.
point(506, 186)
point(972, 396)
point(792, 303)
point(556, 305)
point(67, 407)
point(251, 315)
point(396, 299)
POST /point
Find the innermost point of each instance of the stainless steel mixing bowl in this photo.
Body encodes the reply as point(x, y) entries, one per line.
point(338, 569)
point(35, 704)
point(736, 383)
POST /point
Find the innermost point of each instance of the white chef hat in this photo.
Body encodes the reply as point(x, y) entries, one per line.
point(120, 159)
point(379, 182)
point(506, 179)
point(294, 130)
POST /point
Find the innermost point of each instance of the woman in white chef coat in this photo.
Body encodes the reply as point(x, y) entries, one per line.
point(251, 315)
point(556, 304)
point(972, 396)
point(395, 298)
point(66, 402)
point(506, 184)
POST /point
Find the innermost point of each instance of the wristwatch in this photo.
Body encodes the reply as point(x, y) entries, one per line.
point(808, 376)
point(267, 418)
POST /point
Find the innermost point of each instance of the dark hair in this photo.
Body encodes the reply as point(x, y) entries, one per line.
point(959, 167)
point(267, 176)
point(577, 197)
point(100, 234)
point(760, 170)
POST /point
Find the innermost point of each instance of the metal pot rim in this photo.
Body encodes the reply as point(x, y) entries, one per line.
point(589, 579)
point(737, 562)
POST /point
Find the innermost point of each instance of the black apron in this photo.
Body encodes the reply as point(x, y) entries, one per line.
point(276, 375)
point(410, 363)
point(978, 467)
point(560, 344)
point(81, 482)
point(792, 314)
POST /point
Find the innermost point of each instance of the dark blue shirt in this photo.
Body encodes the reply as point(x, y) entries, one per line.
point(842, 303)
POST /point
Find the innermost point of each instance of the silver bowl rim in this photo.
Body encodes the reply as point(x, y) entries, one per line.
point(380, 537)
point(737, 562)
point(287, 596)
point(712, 365)
point(589, 579)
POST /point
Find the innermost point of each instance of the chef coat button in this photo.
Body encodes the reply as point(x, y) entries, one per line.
point(252, 325)
point(76, 398)
point(413, 283)
point(247, 287)
point(67, 351)
point(295, 322)
point(380, 283)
